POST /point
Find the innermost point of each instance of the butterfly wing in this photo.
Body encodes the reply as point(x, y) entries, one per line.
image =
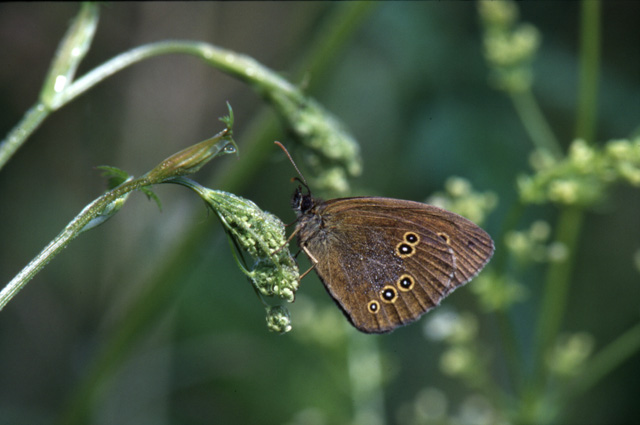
point(386, 261)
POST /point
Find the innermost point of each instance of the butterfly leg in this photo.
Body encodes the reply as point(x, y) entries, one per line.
point(311, 257)
point(295, 232)
point(307, 272)
point(313, 260)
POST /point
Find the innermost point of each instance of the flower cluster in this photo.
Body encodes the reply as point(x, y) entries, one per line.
point(497, 292)
point(331, 152)
point(261, 235)
point(509, 47)
point(582, 177)
point(463, 358)
point(278, 319)
point(570, 354)
point(531, 245)
point(460, 332)
point(459, 197)
point(329, 149)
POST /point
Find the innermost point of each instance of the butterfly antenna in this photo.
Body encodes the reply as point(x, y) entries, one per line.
point(301, 179)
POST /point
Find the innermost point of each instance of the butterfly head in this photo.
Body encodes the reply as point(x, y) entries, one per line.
point(302, 202)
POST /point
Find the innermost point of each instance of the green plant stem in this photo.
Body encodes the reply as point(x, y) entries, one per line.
point(333, 36)
point(533, 410)
point(589, 70)
point(570, 219)
point(509, 339)
point(73, 229)
point(71, 50)
point(21, 132)
point(511, 347)
point(600, 365)
point(335, 31)
point(534, 122)
point(365, 376)
point(556, 290)
point(185, 162)
point(243, 67)
point(607, 359)
point(70, 53)
point(240, 66)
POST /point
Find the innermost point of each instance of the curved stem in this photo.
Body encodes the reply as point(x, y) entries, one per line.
point(240, 66)
point(21, 132)
point(535, 124)
point(71, 50)
point(187, 161)
point(609, 358)
point(73, 229)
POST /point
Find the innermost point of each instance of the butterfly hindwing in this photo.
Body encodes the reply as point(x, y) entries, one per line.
point(388, 261)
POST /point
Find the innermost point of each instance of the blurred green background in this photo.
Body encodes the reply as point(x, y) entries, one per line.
point(101, 336)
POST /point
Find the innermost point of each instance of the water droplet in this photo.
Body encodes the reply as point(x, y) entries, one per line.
point(60, 84)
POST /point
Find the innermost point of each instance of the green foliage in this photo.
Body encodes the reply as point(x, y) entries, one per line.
point(115, 176)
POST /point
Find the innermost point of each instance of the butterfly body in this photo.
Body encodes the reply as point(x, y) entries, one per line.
point(387, 261)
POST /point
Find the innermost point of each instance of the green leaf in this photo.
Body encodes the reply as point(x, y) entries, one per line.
point(115, 176)
point(151, 195)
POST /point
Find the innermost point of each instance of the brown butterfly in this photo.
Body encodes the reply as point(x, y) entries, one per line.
point(387, 261)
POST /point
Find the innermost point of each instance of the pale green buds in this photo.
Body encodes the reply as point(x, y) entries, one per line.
point(498, 292)
point(570, 354)
point(278, 278)
point(185, 162)
point(582, 177)
point(461, 198)
point(460, 333)
point(262, 236)
point(509, 47)
point(278, 319)
point(258, 233)
point(447, 325)
point(330, 150)
point(498, 14)
point(532, 244)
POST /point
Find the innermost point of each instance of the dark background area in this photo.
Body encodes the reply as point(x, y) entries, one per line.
point(411, 84)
